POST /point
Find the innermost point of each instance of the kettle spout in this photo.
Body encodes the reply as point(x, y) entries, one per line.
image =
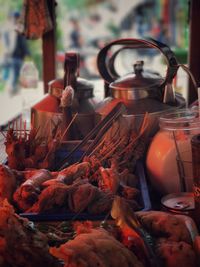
point(169, 94)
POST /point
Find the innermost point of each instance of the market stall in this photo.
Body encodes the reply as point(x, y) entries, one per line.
point(112, 182)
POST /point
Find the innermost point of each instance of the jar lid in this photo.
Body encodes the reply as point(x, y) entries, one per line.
point(183, 119)
point(178, 202)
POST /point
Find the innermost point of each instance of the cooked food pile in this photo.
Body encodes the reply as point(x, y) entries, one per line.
point(95, 248)
point(122, 145)
point(21, 244)
point(102, 183)
point(173, 240)
point(163, 234)
point(106, 170)
point(26, 150)
point(73, 189)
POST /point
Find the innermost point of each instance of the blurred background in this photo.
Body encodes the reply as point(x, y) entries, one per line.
point(85, 26)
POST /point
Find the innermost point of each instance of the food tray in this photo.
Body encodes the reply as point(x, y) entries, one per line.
point(49, 228)
point(144, 202)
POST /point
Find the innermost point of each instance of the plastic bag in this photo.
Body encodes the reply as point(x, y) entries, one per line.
point(29, 75)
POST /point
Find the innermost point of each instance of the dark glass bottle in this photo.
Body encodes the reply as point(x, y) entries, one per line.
point(71, 65)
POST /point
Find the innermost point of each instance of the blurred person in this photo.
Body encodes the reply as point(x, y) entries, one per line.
point(163, 35)
point(76, 40)
point(159, 31)
point(155, 28)
point(16, 49)
point(138, 19)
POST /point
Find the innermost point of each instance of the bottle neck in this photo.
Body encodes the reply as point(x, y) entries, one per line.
point(71, 65)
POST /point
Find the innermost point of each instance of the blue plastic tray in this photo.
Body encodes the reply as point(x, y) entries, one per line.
point(62, 153)
point(145, 198)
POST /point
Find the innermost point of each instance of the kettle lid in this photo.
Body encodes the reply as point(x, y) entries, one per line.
point(138, 79)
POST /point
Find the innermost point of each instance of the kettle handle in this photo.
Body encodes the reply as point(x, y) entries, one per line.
point(109, 75)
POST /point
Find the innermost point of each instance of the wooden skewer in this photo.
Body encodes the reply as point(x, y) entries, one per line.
point(108, 145)
point(95, 130)
point(32, 120)
point(129, 145)
point(112, 142)
point(102, 131)
point(50, 150)
point(141, 132)
point(20, 126)
point(16, 127)
point(36, 132)
point(144, 123)
point(68, 126)
point(25, 129)
point(50, 130)
point(112, 148)
point(101, 144)
point(58, 132)
point(3, 134)
point(98, 147)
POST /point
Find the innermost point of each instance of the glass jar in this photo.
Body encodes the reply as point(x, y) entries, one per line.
point(196, 174)
point(171, 142)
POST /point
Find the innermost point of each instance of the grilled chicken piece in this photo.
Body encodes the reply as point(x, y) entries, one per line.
point(8, 183)
point(20, 243)
point(110, 179)
point(101, 204)
point(61, 196)
point(173, 254)
point(51, 198)
point(27, 194)
point(82, 196)
point(128, 179)
point(95, 248)
point(70, 174)
point(165, 226)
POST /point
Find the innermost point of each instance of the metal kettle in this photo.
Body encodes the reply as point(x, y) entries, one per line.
point(84, 102)
point(141, 90)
